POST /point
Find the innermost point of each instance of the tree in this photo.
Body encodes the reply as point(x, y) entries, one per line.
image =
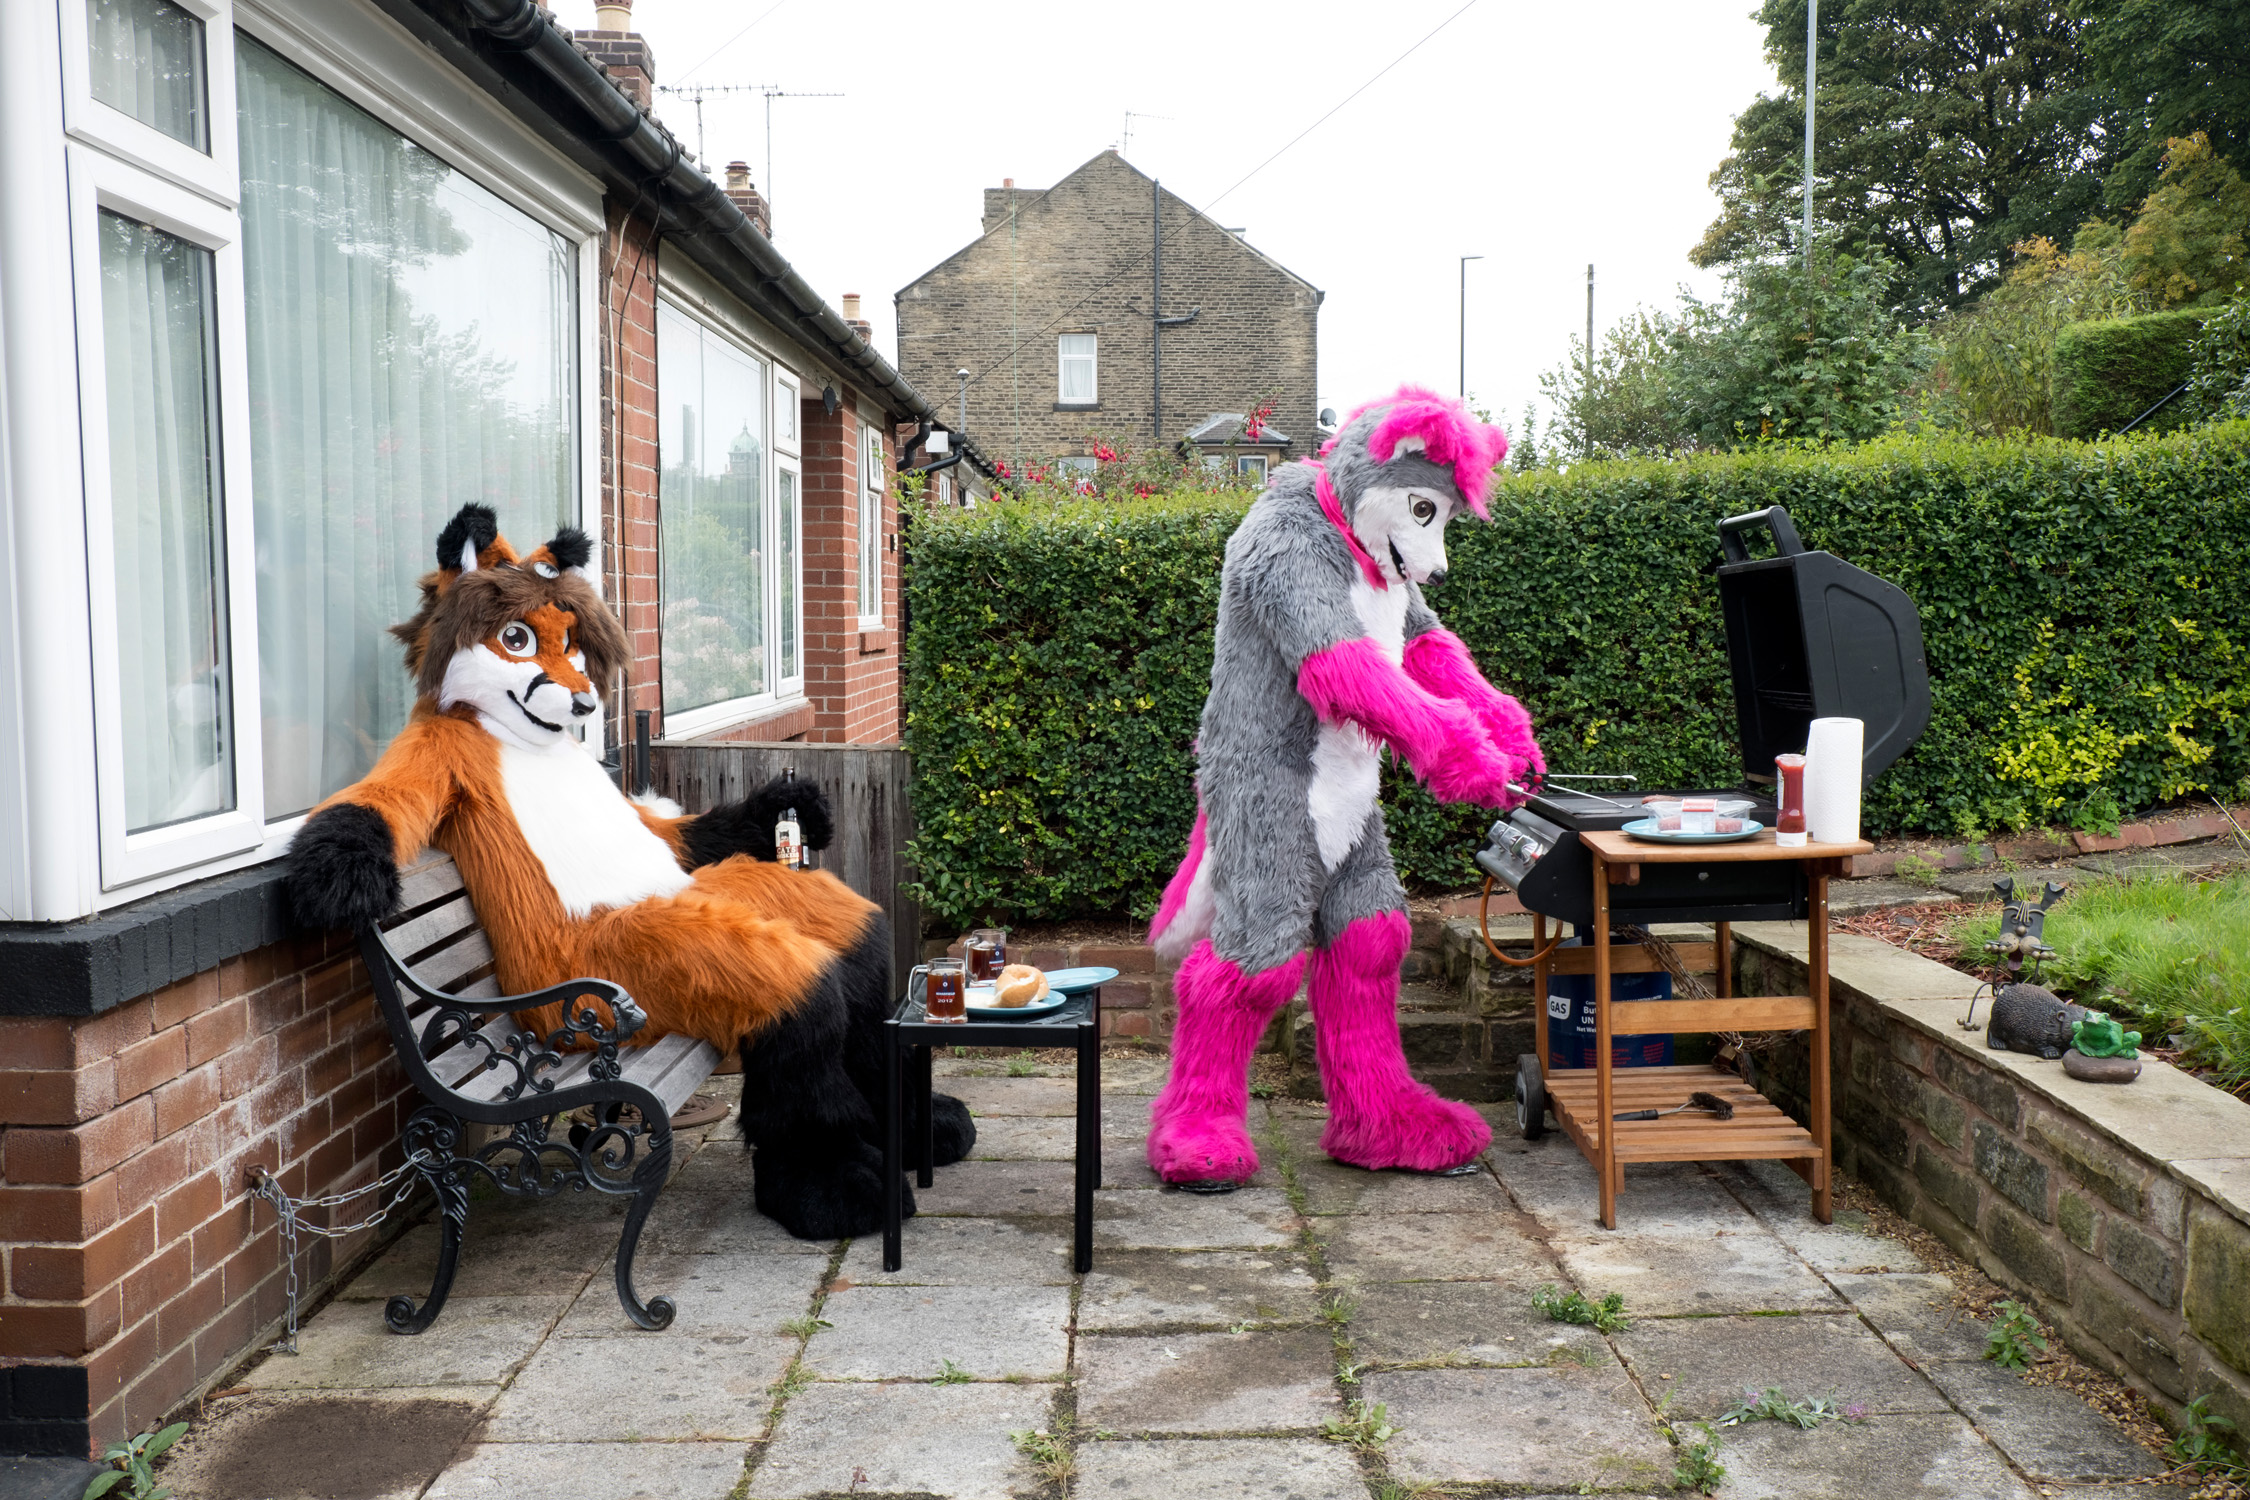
point(2186, 247)
point(1998, 355)
point(2176, 67)
point(1791, 355)
point(1948, 130)
point(1627, 408)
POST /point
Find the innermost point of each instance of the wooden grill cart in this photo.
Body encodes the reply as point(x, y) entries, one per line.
point(1584, 1099)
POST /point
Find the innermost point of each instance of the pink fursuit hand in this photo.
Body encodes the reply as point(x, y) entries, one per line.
point(1438, 661)
point(1354, 682)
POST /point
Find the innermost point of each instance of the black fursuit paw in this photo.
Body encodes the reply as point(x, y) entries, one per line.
point(952, 1132)
point(341, 869)
point(825, 1195)
point(746, 827)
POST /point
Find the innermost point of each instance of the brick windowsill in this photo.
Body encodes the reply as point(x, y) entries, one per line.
point(84, 968)
point(771, 726)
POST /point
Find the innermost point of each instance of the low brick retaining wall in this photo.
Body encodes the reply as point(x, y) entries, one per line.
point(136, 1269)
point(2122, 1211)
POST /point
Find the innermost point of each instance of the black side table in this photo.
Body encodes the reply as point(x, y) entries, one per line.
point(1077, 1022)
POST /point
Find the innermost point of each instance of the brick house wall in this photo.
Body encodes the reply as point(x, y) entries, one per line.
point(1079, 253)
point(136, 1270)
point(631, 576)
point(851, 673)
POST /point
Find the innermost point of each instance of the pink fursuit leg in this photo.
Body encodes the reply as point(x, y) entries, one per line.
point(1196, 1126)
point(1378, 1114)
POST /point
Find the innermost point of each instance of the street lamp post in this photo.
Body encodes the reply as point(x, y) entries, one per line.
point(1465, 323)
point(1812, 54)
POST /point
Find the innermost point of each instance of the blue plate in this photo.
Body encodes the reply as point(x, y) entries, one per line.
point(1646, 829)
point(1055, 1001)
point(1075, 981)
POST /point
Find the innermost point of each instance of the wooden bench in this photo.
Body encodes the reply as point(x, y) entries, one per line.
point(457, 1036)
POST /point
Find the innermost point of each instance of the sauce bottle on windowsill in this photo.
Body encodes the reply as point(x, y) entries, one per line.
point(1789, 817)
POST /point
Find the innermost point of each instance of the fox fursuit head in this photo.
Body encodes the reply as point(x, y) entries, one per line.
point(1327, 651)
point(571, 879)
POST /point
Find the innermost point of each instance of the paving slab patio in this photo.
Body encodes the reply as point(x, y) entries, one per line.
point(1203, 1354)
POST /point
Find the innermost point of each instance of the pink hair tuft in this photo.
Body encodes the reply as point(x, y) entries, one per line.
point(1450, 434)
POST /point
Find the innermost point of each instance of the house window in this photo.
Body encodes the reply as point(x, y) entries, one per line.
point(945, 489)
point(789, 575)
point(175, 729)
point(1252, 464)
point(145, 59)
point(871, 487)
point(1079, 466)
point(1074, 359)
point(412, 347)
point(717, 558)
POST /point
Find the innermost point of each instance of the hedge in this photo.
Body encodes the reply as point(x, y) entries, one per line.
point(2107, 373)
point(2083, 607)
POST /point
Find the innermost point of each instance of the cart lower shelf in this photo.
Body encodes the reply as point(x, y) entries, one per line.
point(1758, 1131)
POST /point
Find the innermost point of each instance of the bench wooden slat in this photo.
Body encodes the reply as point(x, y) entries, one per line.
point(431, 876)
point(453, 917)
point(682, 1074)
point(486, 1087)
point(456, 961)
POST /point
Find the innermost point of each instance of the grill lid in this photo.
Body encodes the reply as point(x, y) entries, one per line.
point(1809, 637)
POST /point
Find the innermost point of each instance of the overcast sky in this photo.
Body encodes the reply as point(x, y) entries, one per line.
point(1541, 136)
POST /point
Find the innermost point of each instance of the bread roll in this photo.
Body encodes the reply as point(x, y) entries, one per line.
point(1018, 985)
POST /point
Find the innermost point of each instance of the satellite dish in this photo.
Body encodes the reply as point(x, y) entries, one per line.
point(1328, 416)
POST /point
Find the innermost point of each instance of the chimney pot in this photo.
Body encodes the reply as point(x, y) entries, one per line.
point(851, 307)
point(1007, 182)
point(738, 176)
point(745, 196)
point(613, 15)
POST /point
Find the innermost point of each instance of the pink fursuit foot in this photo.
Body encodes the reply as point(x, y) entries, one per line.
point(1379, 1115)
point(1197, 1127)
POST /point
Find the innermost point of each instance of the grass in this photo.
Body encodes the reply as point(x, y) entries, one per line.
point(2170, 952)
point(1049, 1453)
point(1023, 1065)
point(1607, 1315)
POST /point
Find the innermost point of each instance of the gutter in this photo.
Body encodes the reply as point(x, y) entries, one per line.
point(658, 163)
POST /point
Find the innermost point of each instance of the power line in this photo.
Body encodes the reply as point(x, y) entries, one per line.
point(1011, 355)
point(738, 36)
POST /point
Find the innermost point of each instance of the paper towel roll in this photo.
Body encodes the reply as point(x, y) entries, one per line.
point(1832, 772)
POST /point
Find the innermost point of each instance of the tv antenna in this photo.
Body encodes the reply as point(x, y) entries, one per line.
point(696, 93)
point(1125, 138)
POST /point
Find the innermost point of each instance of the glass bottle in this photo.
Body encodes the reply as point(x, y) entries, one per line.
point(1789, 817)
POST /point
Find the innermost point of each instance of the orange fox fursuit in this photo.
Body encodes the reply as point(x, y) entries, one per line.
point(572, 879)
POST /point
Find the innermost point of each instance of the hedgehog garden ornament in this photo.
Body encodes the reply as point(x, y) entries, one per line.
point(1327, 652)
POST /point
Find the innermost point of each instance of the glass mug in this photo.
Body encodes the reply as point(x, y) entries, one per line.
point(987, 950)
point(944, 989)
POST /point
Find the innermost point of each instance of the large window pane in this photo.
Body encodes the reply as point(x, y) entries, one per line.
point(146, 59)
point(157, 347)
point(711, 403)
point(412, 348)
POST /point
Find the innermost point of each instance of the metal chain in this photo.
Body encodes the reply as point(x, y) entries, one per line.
point(263, 1184)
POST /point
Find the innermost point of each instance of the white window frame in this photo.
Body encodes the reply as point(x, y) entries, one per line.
point(872, 485)
point(216, 173)
point(369, 60)
point(99, 182)
point(1253, 463)
point(787, 407)
point(790, 687)
point(1093, 370)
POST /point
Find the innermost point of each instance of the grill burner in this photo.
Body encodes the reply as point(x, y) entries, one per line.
point(1808, 636)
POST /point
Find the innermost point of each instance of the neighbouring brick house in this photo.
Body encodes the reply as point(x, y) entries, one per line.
point(1049, 310)
point(283, 283)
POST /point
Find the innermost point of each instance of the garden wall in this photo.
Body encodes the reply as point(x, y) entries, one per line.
point(2085, 643)
point(2123, 1211)
point(136, 1269)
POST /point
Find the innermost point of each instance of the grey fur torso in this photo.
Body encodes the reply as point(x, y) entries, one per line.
point(1295, 844)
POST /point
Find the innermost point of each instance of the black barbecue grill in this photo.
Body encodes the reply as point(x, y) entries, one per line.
point(1809, 636)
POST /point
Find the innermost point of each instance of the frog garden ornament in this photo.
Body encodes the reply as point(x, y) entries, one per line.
point(2102, 1051)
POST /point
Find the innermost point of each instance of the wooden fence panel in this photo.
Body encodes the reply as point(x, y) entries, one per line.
point(867, 788)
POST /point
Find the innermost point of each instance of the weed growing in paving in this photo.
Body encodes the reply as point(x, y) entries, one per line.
point(2015, 1340)
point(1607, 1315)
point(1022, 1065)
point(805, 1327)
point(2202, 1444)
point(950, 1373)
point(135, 1458)
point(1698, 1467)
point(1365, 1427)
point(1049, 1453)
point(1917, 872)
point(1337, 1310)
point(1807, 1412)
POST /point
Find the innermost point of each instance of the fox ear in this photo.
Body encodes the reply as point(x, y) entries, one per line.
point(472, 529)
